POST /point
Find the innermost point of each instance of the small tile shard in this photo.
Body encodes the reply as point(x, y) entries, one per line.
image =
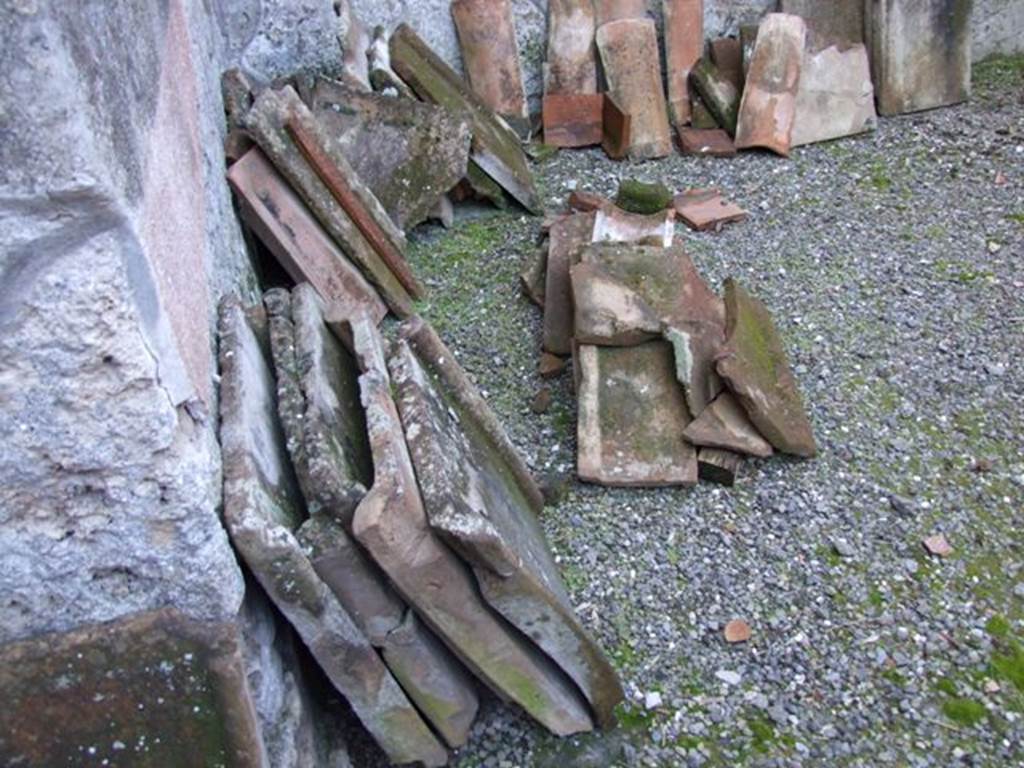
point(713, 143)
point(717, 466)
point(474, 502)
point(724, 424)
point(768, 107)
point(835, 97)
point(550, 365)
point(571, 66)
point(410, 154)
point(262, 511)
point(684, 41)
point(496, 149)
point(937, 545)
point(631, 60)
point(487, 39)
point(737, 631)
point(920, 53)
point(393, 527)
point(582, 201)
point(754, 367)
point(573, 120)
point(702, 209)
point(283, 223)
point(717, 94)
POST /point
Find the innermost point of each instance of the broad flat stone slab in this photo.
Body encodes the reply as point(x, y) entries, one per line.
point(266, 121)
point(573, 120)
point(409, 153)
point(920, 53)
point(571, 67)
point(487, 38)
point(262, 511)
point(474, 502)
point(428, 673)
point(567, 237)
point(754, 367)
point(283, 223)
point(768, 106)
point(829, 21)
point(608, 312)
point(684, 44)
point(724, 424)
point(496, 149)
point(713, 143)
point(690, 315)
point(632, 414)
point(836, 97)
point(718, 95)
point(170, 688)
point(393, 527)
point(703, 209)
point(631, 60)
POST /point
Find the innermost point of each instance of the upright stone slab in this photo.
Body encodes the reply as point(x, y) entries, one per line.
point(754, 367)
point(474, 502)
point(153, 689)
point(836, 97)
point(285, 226)
point(725, 425)
point(393, 527)
point(768, 106)
point(692, 316)
point(263, 509)
point(631, 60)
point(632, 414)
point(496, 148)
point(409, 153)
point(718, 95)
point(567, 238)
point(571, 66)
point(684, 42)
point(487, 38)
point(614, 10)
point(266, 122)
point(829, 21)
point(920, 53)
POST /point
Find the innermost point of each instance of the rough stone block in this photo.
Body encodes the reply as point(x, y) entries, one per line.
point(262, 511)
point(393, 527)
point(631, 60)
point(768, 106)
point(285, 226)
point(920, 53)
point(487, 37)
point(836, 97)
point(150, 689)
point(684, 42)
point(755, 369)
point(496, 149)
point(409, 153)
point(702, 209)
point(571, 66)
point(475, 502)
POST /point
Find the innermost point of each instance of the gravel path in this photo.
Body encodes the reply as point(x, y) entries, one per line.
point(894, 266)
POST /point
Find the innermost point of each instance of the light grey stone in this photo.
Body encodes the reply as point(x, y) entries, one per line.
point(835, 97)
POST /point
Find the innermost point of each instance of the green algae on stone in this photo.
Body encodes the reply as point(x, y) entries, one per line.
point(642, 197)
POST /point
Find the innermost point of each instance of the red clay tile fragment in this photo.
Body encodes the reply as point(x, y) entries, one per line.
point(737, 631)
point(631, 60)
point(573, 120)
point(938, 545)
point(713, 142)
point(726, 53)
point(768, 105)
point(618, 129)
point(487, 38)
point(684, 39)
point(703, 209)
point(572, 61)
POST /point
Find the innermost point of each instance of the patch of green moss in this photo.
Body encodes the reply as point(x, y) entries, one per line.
point(999, 72)
point(964, 711)
point(997, 626)
point(641, 197)
point(946, 686)
point(1008, 664)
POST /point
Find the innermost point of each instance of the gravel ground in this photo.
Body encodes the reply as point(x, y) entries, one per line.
point(894, 266)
